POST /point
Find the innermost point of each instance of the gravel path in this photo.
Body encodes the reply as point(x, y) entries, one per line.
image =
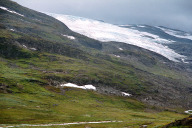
point(48, 125)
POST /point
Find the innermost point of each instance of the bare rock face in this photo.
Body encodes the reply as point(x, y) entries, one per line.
point(184, 123)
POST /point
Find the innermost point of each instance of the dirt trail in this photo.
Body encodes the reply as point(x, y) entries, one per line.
point(48, 125)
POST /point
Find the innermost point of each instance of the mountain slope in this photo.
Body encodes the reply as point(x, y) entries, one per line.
point(182, 41)
point(143, 73)
point(108, 32)
point(39, 53)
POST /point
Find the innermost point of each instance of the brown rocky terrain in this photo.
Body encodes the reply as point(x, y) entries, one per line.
point(184, 123)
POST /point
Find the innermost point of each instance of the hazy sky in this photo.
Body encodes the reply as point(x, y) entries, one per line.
point(171, 13)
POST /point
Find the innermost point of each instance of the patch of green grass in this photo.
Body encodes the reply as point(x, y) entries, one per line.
point(77, 105)
point(8, 34)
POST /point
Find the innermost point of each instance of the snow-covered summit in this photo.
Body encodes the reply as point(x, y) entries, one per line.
point(108, 32)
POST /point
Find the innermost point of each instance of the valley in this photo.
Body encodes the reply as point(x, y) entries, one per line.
point(58, 72)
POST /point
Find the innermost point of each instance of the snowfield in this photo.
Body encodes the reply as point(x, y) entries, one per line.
point(69, 37)
point(178, 34)
point(108, 32)
point(188, 111)
point(85, 87)
point(125, 94)
point(121, 49)
point(12, 30)
point(117, 56)
point(6, 9)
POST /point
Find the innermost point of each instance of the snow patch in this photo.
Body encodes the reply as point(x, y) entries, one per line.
point(107, 32)
point(176, 33)
point(6, 9)
point(90, 87)
point(69, 37)
point(183, 60)
point(72, 85)
point(188, 111)
point(141, 26)
point(37, 20)
point(121, 49)
point(12, 30)
point(34, 49)
point(125, 94)
point(24, 46)
point(85, 87)
point(117, 56)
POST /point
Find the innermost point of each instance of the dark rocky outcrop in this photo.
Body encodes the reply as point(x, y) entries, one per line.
point(184, 123)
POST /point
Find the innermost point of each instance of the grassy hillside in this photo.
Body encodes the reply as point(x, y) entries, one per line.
point(42, 106)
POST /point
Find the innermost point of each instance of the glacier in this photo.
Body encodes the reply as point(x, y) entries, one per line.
point(175, 33)
point(108, 32)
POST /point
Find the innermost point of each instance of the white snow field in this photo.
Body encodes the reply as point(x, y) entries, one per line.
point(69, 37)
point(108, 32)
point(6, 9)
point(125, 94)
point(176, 33)
point(86, 87)
point(188, 111)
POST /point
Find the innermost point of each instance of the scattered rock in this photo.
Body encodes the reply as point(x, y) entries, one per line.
point(143, 126)
point(87, 127)
point(54, 105)
point(33, 49)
